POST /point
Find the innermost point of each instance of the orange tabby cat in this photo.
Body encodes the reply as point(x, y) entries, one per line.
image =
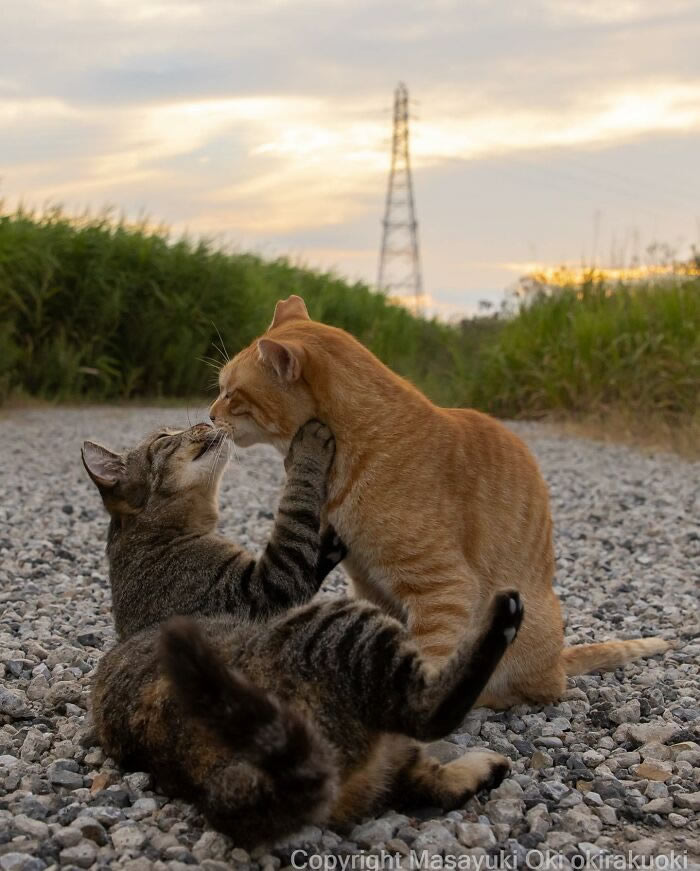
point(439, 507)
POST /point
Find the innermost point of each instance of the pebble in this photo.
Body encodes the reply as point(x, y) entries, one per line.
point(13, 861)
point(68, 807)
point(372, 833)
point(91, 829)
point(31, 827)
point(658, 806)
point(654, 769)
point(505, 810)
point(540, 759)
point(644, 847)
point(688, 799)
point(68, 837)
point(82, 855)
point(580, 822)
point(127, 837)
point(475, 835)
point(12, 704)
point(628, 713)
point(644, 733)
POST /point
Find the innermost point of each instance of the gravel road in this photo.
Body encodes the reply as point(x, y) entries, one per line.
point(612, 770)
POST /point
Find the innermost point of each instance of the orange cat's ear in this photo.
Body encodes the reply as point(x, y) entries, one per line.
point(292, 309)
point(285, 357)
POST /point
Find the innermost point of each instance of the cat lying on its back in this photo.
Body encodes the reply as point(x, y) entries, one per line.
point(267, 713)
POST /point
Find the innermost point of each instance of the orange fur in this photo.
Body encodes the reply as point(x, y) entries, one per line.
point(439, 507)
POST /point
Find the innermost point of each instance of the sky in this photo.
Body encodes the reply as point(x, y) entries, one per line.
point(543, 132)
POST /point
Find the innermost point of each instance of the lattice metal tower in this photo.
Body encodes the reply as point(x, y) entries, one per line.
point(399, 261)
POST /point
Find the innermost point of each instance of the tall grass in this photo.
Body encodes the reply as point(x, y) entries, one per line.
point(96, 309)
point(596, 347)
point(90, 308)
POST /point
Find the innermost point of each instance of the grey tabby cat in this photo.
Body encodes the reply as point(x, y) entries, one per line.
point(267, 713)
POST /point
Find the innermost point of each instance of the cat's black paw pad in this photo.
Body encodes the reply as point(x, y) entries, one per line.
point(508, 614)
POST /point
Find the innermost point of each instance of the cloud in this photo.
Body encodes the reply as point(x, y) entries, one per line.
point(615, 11)
point(308, 159)
point(269, 121)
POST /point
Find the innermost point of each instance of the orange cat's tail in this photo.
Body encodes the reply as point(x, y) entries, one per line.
point(608, 655)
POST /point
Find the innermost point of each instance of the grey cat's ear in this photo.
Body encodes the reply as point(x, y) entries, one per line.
point(292, 309)
point(104, 467)
point(286, 358)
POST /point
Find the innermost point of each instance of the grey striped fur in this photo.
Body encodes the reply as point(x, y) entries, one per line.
point(270, 717)
point(165, 556)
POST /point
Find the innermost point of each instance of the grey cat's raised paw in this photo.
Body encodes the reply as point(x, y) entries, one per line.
point(313, 441)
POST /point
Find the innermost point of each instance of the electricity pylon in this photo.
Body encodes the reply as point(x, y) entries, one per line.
point(399, 261)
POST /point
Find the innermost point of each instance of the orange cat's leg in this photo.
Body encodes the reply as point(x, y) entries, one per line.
point(440, 612)
point(543, 688)
point(444, 602)
point(532, 670)
point(439, 617)
point(362, 588)
point(435, 614)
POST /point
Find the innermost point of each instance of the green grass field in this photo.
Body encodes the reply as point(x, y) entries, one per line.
point(594, 348)
point(92, 309)
point(99, 310)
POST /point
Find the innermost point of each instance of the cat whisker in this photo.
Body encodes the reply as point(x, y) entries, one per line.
point(226, 354)
point(212, 468)
point(212, 362)
point(235, 452)
point(219, 450)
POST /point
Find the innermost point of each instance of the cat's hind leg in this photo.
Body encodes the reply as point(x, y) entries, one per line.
point(438, 701)
point(425, 781)
point(401, 690)
point(531, 672)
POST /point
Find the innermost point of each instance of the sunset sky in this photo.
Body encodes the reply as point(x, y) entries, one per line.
point(266, 125)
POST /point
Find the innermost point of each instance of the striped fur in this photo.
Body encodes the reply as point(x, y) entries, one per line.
point(268, 717)
point(440, 507)
point(165, 556)
point(313, 717)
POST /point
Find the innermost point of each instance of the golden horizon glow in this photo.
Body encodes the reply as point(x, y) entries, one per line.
point(557, 276)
